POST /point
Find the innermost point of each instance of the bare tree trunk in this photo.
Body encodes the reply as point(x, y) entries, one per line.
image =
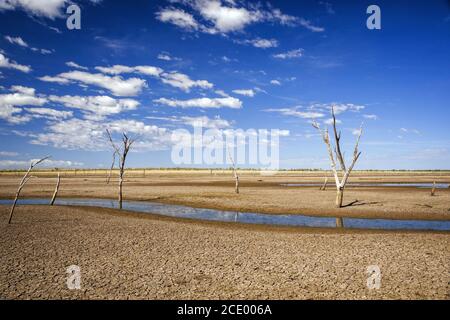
point(324, 186)
point(433, 190)
point(120, 193)
point(14, 204)
point(122, 154)
point(56, 190)
point(122, 165)
point(339, 197)
point(235, 173)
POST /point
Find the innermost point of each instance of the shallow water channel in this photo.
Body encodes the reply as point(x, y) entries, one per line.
point(245, 217)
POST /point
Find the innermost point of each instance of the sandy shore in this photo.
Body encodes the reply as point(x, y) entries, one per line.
point(258, 193)
point(147, 257)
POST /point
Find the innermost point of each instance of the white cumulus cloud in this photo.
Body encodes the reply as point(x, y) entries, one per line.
point(227, 16)
point(261, 43)
point(245, 92)
point(75, 65)
point(228, 102)
point(48, 163)
point(297, 53)
point(9, 64)
point(41, 8)
point(173, 78)
point(11, 103)
point(275, 82)
point(17, 40)
point(297, 112)
point(116, 85)
point(96, 106)
point(119, 69)
point(183, 82)
point(178, 17)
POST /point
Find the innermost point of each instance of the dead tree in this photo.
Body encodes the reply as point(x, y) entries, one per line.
point(24, 180)
point(433, 190)
point(58, 181)
point(122, 156)
point(324, 186)
point(235, 173)
point(341, 181)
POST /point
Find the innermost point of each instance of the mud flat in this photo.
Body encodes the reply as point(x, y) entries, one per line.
point(132, 256)
point(263, 194)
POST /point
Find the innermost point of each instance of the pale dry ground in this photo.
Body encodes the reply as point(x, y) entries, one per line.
point(130, 256)
point(258, 193)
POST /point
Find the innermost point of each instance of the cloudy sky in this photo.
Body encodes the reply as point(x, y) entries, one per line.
point(151, 67)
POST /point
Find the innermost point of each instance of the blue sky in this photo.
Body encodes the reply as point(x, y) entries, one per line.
point(150, 67)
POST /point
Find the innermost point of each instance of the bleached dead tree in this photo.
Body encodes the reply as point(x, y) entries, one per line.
point(23, 182)
point(324, 186)
point(235, 173)
point(433, 190)
point(122, 156)
point(345, 171)
point(55, 193)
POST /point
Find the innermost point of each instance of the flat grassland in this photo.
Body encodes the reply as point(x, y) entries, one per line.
point(142, 256)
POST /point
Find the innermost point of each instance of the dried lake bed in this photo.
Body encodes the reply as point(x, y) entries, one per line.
point(147, 256)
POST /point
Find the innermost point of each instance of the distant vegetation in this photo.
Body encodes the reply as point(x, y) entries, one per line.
point(208, 170)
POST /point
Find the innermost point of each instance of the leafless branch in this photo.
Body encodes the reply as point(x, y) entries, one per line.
point(324, 186)
point(122, 155)
point(337, 137)
point(112, 167)
point(22, 183)
point(356, 155)
point(117, 150)
point(326, 140)
point(340, 183)
point(58, 181)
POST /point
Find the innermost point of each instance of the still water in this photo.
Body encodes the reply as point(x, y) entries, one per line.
point(246, 217)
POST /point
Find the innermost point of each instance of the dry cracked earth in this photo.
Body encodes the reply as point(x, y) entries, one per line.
point(130, 256)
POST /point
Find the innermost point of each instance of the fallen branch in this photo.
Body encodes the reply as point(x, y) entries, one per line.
point(324, 186)
point(23, 182)
point(56, 190)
